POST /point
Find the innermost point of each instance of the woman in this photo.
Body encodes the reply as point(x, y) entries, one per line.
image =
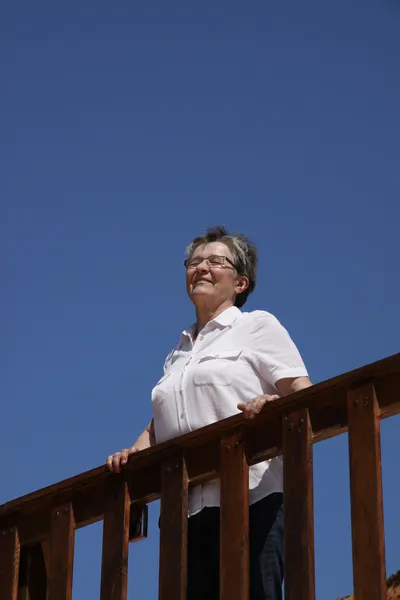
point(228, 361)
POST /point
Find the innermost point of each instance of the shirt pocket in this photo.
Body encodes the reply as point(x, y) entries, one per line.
point(162, 389)
point(216, 368)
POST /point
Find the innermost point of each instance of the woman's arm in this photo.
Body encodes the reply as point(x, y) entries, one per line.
point(289, 385)
point(285, 387)
point(145, 440)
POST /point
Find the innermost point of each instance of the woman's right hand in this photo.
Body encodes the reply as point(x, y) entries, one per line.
point(119, 459)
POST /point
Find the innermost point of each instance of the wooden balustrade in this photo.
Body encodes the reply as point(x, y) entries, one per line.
point(37, 531)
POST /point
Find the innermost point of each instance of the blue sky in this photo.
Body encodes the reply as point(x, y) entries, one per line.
point(129, 127)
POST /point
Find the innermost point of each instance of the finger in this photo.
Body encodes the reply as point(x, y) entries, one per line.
point(124, 456)
point(251, 413)
point(116, 462)
point(249, 410)
point(252, 407)
point(257, 406)
point(110, 462)
point(246, 408)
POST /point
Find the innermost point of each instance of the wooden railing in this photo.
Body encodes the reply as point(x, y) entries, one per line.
point(37, 530)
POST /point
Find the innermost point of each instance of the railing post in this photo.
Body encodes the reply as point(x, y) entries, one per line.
point(23, 591)
point(234, 520)
point(32, 574)
point(61, 553)
point(369, 572)
point(173, 530)
point(299, 506)
point(9, 563)
point(114, 570)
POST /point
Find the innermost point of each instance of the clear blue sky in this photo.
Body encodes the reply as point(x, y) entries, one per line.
point(126, 129)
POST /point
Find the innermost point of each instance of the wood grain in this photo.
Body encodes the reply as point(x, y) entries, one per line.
point(23, 592)
point(32, 576)
point(9, 564)
point(62, 553)
point(234, 520)
point(327, 406)
point(114, 571)
point(173, 530)
point(366, 495)
point(320, 399)
point(299, 510)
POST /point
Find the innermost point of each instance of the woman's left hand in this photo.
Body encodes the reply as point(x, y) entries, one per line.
point(253, 407)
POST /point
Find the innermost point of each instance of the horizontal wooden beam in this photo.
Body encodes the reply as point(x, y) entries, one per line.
point(262, 437)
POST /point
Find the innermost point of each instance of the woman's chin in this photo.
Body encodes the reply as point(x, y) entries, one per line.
point(201, 290)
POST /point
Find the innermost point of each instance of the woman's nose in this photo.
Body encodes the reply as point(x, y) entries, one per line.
point(202, 266)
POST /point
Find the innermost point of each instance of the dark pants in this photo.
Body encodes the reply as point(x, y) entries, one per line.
point(266, 551)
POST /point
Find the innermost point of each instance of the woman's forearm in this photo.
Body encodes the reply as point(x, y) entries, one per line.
point(147, 438)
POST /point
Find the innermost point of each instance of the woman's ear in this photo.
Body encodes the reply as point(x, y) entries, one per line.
point(242, 283)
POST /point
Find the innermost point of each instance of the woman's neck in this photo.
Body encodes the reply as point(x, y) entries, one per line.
point(205, 314)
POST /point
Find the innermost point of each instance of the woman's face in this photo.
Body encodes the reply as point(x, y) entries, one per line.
point(213, 285)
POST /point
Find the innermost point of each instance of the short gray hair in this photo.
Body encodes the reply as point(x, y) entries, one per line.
point(244, 254)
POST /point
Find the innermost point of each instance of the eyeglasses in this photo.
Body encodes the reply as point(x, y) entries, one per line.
point(212, 262)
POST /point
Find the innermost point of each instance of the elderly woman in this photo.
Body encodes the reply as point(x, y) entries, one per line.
point(227, 361)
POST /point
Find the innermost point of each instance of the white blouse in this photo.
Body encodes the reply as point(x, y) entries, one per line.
point(236, 357)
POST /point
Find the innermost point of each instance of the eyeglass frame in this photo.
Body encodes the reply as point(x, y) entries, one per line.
point(221, 266)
